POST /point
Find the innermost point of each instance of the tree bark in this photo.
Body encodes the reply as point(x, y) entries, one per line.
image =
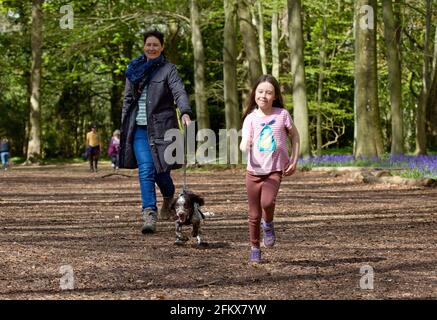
point(275, 41)
point(423, 97)
point(432, 99)
point(394, 77)
point(116, 99)
point(34, 145)
point(251, 48)
point(320, 86)
point(300, 108)
point(202, 114)
point(368, 134)
point(262, 44)
point(230, 66)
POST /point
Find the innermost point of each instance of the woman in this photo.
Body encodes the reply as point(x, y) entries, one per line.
point(152, 87)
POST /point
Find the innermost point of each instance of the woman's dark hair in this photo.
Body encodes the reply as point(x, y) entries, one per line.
point(156, 34)
point(251, 104)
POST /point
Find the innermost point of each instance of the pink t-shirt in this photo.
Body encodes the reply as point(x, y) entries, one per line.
point(267, 137)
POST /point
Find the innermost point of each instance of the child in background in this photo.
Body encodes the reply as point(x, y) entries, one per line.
point(267, 126)
point(114, 149)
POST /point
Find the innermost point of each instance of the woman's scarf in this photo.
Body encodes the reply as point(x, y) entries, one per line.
point(141, 67)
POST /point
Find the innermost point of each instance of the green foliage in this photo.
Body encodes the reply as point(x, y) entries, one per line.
point(83, 67)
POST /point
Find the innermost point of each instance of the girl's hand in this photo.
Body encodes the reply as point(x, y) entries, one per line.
point(246, 143)
point(290, 168)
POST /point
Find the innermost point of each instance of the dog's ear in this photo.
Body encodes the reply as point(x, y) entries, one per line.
point(198, 199)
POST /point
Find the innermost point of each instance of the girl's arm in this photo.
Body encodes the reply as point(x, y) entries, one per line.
point(245, 143)
point(293, 135)
point(246, 137)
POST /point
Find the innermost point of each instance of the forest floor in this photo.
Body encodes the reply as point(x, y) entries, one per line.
point(61, 220)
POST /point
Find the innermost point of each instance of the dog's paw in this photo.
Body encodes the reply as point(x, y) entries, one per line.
point(179, 242)
point(208, 214)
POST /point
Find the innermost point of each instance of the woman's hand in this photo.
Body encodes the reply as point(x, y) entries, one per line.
point(186, 120)
point(290, 168)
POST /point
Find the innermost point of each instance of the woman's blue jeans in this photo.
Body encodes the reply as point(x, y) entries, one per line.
point(147, 172)
point(5, 158)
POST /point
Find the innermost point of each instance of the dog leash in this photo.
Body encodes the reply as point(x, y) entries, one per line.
point(184, 188)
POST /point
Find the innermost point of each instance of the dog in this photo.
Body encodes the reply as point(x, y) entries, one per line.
point(187, 212)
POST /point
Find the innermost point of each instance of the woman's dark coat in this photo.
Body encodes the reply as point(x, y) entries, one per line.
point(164, 89)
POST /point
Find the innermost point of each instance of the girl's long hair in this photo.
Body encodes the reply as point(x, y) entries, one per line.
point(251, 104)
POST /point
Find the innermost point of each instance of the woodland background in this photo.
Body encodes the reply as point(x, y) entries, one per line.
point(370, 89)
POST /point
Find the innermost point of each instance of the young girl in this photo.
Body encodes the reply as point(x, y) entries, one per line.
point(266, 127)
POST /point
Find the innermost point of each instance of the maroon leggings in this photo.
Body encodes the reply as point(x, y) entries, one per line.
point(261, 194)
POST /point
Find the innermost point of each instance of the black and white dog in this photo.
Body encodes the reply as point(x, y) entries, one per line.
point(187, 212)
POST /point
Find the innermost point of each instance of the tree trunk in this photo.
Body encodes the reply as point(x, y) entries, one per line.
point(230, 66)
point(300, 108)
point(251, 48)
point(116, 99)
point(423, 97)
point(368, 134)
point(118, 80)
point(275, 41)
point(34, 145)
point(394, 77)
point(320, 86)
point(262, 44)
point(171, 48)
point(432, 99)
point(202, 114)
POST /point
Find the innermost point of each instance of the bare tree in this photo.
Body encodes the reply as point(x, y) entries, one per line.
point(250, 42)
point(34, 145)
point(368, 134)
point(300, 111)
point(394, 77)
point(320, 86)
point(262, 44)
point(424, 93)
point(230, 66)
point(275, 41)
point(432, 99)
point(202, 114)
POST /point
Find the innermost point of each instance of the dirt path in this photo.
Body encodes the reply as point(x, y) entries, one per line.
point(327, 227)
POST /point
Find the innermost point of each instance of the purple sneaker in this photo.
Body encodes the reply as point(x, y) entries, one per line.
point(255, 255)
point(269, 234)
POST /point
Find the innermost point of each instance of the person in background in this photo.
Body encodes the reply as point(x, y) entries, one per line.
point(114, 149)
point(93, 147)
point(4, 153)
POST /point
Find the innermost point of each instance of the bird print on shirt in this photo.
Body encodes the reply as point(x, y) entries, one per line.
point(266, 140)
